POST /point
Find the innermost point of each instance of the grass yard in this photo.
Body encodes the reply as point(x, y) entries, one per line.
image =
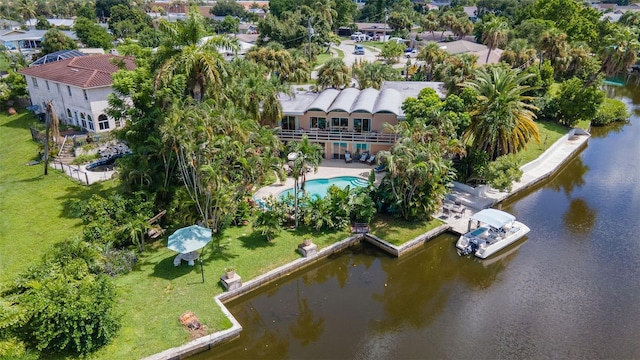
point(33, 206)
point(156, 293)
point(550, 132)
point(397, 231)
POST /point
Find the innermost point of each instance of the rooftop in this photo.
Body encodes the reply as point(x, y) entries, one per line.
point(84, 71)
point(388, 99)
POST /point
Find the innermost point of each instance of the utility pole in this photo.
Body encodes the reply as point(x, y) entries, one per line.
point(386, 19)
point(310, 35)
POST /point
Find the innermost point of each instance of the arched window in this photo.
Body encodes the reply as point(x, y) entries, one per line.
point(103, 122)
point(83, 120)
point(69, 114)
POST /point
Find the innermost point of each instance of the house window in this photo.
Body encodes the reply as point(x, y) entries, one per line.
point(318, 122)
point(83, 120)
point(118, 122)
point(85, 94)
point(90, 125)
point(338, 150)
point(35, 82)
point(103, 122)
point(289, 123)
point(361, 148)
point(361, 125)
point(69, 90)
point(339, 123)
point(47, 83)
point(69, 114)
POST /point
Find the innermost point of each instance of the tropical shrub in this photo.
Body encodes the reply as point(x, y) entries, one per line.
point(118, 220)
point(363, 209)
point(502, 172)
point(118, 261)
point(64, 304)
point(576, 102)
point(271, 218)
point(611, 110)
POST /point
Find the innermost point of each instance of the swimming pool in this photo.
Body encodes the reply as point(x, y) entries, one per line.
point(319, 186)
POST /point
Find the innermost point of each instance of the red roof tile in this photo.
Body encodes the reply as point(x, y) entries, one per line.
point(83, 71)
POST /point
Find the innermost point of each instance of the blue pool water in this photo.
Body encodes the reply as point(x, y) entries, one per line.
point(319, 186)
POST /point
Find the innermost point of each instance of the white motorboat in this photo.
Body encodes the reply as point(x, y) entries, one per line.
point(489, 231)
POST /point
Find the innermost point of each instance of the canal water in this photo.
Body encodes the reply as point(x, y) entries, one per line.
point(571, 289)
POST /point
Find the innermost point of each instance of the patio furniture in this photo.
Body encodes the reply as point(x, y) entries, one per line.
point(347, 157)
point(364, 156)
point(380, 168)
point(371, 159)
point(189, 257)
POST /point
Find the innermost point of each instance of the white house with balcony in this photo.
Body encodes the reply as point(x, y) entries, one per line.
point(78, 88)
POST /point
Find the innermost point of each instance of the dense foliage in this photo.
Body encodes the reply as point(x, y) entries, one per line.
point(64, 304)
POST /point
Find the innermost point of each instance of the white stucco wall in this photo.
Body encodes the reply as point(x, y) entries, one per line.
point(94, 105)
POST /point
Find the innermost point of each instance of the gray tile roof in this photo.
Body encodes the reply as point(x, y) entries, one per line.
point(388, 99)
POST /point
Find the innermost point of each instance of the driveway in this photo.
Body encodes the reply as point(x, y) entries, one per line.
point(347, 46)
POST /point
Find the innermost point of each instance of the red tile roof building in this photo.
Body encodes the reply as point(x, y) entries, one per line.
point(78, 88)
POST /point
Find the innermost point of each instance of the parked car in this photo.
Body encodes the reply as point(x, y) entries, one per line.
point(409, 51)
point(356, 35)
point(358, 50)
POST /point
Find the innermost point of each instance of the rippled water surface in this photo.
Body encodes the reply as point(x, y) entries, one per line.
point(571, 289)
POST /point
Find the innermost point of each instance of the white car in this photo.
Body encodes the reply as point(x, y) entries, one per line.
point(356, 35)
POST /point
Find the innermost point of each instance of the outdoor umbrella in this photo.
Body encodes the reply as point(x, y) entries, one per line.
point(189, 239)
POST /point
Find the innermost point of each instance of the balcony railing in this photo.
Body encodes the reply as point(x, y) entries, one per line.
point(340, 136)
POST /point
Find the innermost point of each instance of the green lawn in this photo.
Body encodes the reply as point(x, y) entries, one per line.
point(397, 231)
point(550, 132)
point(32, 206)
point(156, 293)
point(152, 297)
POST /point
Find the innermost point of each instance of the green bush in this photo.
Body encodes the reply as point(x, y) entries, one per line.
point(502, 172)
point(119, 261)
point(611, 110)
point(68, 306)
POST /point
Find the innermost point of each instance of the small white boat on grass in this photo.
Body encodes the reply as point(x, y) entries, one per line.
point(489, 231)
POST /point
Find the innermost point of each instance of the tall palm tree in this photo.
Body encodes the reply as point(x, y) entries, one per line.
point(184, 51)
point(462, 27)
point(307, 155)
point(619, 50)
point(432, 55)
point(326, 10)
point(495, 33)
point(519, 54)
point(27, 9)
point(503, 120)
point(456, 70)
point(429, 22)
point(371, 75)
point(334, 73)
point(553, 46)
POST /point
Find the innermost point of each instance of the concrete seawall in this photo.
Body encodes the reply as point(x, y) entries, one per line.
point(474, 199)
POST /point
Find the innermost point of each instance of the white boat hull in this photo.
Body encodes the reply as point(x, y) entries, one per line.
point(483, 245)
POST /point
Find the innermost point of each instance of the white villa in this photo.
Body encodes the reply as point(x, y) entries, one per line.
point(350, 119)
point(78, 88)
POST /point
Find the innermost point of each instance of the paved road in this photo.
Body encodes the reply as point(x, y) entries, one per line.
point(347, 46)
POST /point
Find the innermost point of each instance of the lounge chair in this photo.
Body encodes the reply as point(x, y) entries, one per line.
point(380, 168)
point(371, 159)
point(364, 157)
point(347, 157)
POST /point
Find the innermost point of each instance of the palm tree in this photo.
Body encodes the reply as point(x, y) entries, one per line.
point(307, 155)
point(326, 10)
point(27, 9)
point(503, 119)
point(462, 27)
point(456, 70)
point(429, 22)
point(371, 75)
point(519, 54)
point(619, 51)
point(184, 51)
point(334, 73)
point(432, 55)
point(495, 33)
point(553, 46)
point(447, 20)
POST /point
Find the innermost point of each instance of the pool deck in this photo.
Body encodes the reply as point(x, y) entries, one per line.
point(327, 169)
